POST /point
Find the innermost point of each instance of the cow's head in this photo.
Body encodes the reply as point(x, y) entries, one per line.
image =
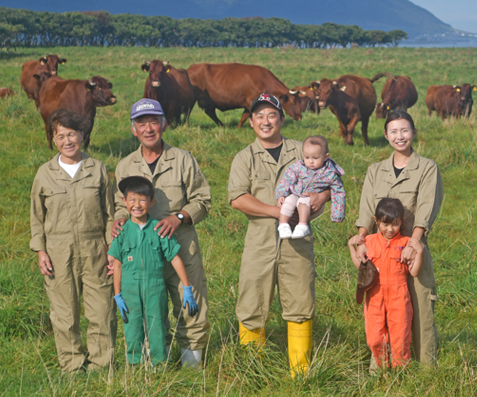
point(382, 110)
point(157, 71)
point(100, 88)
point(51, 62)
point(325, 88)
point(42, 76)
point(291, 104)
point(307, 99)
point(466, 92)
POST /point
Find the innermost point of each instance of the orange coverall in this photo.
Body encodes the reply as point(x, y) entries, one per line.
point(388, 309)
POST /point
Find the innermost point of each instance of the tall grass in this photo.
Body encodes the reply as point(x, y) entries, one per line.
point(28, 364)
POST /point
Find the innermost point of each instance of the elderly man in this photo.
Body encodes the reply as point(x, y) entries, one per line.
point(267, 260)
point(183, 200)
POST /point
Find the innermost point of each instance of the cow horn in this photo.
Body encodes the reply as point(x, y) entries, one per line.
point(335, 82)
point(292, 92)
point(303, 92)
point(147, 63)
point(382, 104)
point(454, 86)
point(165, 63)
point(343, 88)
point(92, 83)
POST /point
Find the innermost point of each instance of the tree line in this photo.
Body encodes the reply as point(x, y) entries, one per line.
point(23, 28)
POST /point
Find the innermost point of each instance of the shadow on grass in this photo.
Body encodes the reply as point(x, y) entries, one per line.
point(6, 55)
point(378, 141)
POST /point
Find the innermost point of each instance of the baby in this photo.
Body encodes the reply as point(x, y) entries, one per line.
point(314, 174)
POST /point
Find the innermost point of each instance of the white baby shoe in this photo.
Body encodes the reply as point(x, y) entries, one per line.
point(300, 231)
point(284, 230)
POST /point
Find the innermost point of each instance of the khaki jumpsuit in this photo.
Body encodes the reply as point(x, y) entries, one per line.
point(267, 260)
point(71, 219)
point(419, 187)
point(179, 184)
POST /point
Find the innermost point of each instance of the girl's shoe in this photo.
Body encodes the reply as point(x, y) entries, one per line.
point(285, 231)
point(300, 231)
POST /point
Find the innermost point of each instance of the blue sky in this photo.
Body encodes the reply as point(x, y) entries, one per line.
point(460, 14)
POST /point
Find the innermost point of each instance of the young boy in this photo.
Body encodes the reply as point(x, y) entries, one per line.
point(139, 287)
point(314, 174)
point(388, 310)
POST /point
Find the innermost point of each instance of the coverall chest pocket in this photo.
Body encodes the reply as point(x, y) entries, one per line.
point(399, 268)
point(173, 194)
point(128, 257)
point(55, 199)
point(261, 186)
point(156, 265)
point(408, 192)
point(91, 192)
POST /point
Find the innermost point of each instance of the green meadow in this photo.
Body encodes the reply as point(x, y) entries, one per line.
point(28, 364)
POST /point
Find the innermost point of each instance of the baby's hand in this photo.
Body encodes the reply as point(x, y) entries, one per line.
point(281, 200)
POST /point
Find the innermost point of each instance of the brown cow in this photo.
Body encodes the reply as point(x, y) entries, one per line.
point(342, 105)
point(171, 87)
point(431, 98)
point(398, 92)
point(31, 86)
point(227, 86)
point(80, 96)
point(449, 102)
point(307, 98)
point(6, 92)
point(466, 95)
point(361, 89)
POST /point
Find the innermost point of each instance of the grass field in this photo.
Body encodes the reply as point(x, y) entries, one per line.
point(28, 364)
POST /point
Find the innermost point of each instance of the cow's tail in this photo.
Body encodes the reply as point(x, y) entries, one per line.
point(382, 74)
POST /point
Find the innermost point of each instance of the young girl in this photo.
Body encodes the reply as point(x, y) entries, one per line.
point(314, 174)
point(388, 310)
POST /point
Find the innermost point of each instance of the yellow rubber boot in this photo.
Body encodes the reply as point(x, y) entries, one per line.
point(299, 346)
point(254, 337)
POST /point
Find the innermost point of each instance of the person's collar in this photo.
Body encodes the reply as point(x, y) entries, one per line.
point(413, 163)
point(167, 153)
point(258, 148)
point(54, 164)
point(148, 223)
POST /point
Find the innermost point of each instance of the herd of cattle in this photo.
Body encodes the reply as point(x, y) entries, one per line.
point(227, 86)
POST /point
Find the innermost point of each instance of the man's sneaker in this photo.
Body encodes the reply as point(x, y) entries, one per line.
point(300, 231)
point(284, 230)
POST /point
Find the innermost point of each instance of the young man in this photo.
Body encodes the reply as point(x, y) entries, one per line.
point(267, 260)
point(183, 200)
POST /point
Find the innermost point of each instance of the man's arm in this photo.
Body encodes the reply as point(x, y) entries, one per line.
point(250, 205)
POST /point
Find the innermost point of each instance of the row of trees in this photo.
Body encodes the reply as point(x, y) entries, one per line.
point(99, 28)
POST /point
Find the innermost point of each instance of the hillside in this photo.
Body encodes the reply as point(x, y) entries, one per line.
point(368, 14)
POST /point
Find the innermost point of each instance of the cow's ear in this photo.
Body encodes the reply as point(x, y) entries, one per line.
point(145, 66)
point(167, 68)
point(62, 61)
point(43, 60)
point(457, 88)
point(283, 98)
point(110, 85)
point(36, 76)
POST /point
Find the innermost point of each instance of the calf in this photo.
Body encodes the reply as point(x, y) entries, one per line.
point(171, 87)
point(80, 96)
point(398, 92)
point(31, 86)
point(227, 86)
point(449, 102)
point(342, 105)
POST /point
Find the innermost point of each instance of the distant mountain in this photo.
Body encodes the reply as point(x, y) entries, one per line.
point(368, 14)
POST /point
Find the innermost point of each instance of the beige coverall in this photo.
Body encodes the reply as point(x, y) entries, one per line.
point(419, 187)
point(71, 220)
point(179, 184)
point(267, 260)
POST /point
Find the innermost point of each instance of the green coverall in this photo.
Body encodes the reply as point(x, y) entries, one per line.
point(142, 254)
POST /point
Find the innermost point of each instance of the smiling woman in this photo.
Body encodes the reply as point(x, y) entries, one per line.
point(417, 183)
point(71, 212)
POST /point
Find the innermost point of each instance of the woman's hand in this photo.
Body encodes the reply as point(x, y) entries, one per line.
point(44, 262)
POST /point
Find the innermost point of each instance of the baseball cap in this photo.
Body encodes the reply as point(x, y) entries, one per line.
point(267, 98)
point(133, 180)
point(146, 106)
point(368, 277)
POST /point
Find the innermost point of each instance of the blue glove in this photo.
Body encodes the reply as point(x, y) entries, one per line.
point(122, 306)
point(188, 298)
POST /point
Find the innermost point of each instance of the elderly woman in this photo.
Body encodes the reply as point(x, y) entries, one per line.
point(417, 182)
point(71, 217)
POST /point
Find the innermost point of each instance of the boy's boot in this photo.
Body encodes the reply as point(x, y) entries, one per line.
point(191, 358)
point(299, 346)
point(254, 337)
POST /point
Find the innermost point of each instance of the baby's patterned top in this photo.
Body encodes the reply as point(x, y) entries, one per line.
point(299, 179)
